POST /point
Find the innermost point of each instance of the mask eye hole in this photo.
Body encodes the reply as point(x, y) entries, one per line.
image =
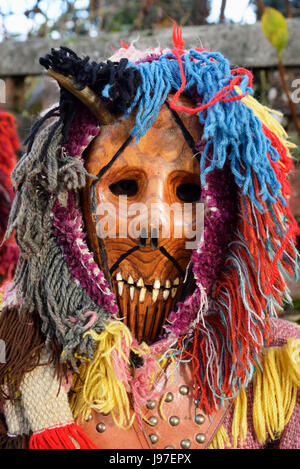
point(188, 192)
point(127, 187)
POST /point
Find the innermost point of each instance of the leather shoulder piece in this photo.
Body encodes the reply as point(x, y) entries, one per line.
point(169, 423)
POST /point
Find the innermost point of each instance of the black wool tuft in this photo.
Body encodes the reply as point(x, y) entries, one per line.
point(123, 81)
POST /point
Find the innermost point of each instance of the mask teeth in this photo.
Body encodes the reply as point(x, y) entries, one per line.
point(166, 294)
point(155, 293)
point(131, 292)
point(120, 287)
point(166, 289)
point(144, 308)
point(140, 282)
point(142, 295)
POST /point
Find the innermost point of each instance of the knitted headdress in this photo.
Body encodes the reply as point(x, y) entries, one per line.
point(240, 267)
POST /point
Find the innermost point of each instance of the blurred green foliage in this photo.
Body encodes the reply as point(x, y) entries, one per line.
point(275, 29)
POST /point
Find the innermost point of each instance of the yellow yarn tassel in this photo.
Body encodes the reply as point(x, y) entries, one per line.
point(239, 422)
point(97, 386)
point(275, 384)
point(220, 440)
point(266, 116)
point(275, 389)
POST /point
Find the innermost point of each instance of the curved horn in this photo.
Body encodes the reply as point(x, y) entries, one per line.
point(86, 96)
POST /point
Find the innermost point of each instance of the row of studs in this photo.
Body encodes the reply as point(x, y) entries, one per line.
point(174, 421)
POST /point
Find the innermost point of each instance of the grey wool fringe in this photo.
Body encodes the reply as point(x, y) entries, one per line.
point(43, 280)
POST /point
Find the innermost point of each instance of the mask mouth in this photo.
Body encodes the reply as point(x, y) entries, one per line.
point(159, 290)
point(146, 304)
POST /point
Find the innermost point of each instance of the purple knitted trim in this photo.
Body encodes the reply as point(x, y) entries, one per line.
point(219, 224)
point(149, 58)
point(83, 129)
point(69, 226)
point(68, 229)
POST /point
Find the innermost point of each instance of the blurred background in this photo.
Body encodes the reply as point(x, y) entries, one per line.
point(267, 45)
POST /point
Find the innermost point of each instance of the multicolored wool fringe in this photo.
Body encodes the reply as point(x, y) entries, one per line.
point(9, 144)
point(244, 159)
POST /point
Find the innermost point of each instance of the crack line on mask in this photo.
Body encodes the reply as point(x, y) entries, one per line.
point(171, 258)
point(116, 155)
point(122, 257)
point(186, 134)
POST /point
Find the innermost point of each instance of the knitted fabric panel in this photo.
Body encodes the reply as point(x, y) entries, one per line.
point(45, 400)
point(290, 439)
point(17, 423)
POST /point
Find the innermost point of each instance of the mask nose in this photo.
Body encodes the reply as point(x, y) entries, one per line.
point(146, 239)
point(151, 231)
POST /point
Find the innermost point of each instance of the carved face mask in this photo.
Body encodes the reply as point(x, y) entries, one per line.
point(140, 214)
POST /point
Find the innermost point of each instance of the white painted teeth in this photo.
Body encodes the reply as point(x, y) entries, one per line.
point(169, 288)
point(120, 283)
point(155, 293)
point(140, 282)
point(130, 280)
point(120, 287)
point(142, 294)
point(175, 285)
point(166, 294)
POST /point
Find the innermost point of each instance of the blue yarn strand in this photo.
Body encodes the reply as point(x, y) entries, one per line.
point(230, 129)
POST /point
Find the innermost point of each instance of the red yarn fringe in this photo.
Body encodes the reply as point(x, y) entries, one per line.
point(177, 37)
point(9, 144)
point(69, 436)
point(222, 95)
point(264, 279)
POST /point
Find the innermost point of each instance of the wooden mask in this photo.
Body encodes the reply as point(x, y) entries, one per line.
point(146, 268)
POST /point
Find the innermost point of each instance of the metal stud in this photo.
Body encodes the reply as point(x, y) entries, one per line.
point(174, 420)
point(151, 405)
point(169, 397)
point(199, 419)
point(168, 447)
point(200, 438)
point(185, 444)
point(100, 427)
point(153, 421)
point(153, 438)
point(89, 418)
point(184, 390)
